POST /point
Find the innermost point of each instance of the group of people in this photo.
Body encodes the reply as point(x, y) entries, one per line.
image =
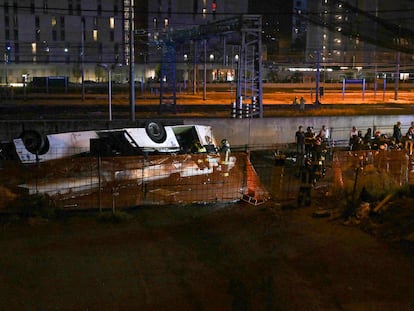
point(309, 142)
point(378, 140)
point(311, 149)
point(300, 103)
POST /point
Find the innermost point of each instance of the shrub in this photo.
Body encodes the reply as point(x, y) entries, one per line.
point(406, 191)
point(114, 217)
point(32, 206)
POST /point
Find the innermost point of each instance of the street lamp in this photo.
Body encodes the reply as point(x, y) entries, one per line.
point(109, 69)
point(6, 61)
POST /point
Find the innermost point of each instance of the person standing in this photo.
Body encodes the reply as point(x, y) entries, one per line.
point(353, 134)
point(324, 133)
point(300, 141)
point(307, 181)
point(397, 132)
point(368, 136)
point(302, 104)
point(367, 139)
point(309, 140)
point(409, 140)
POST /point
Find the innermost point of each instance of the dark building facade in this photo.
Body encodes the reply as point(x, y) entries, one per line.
point(366, 36)
point(276, 27)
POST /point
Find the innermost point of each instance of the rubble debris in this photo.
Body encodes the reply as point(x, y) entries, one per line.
point(363, 211)
point(382, 204)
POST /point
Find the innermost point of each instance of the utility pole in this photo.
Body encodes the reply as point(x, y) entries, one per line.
point(318, 77)
point(205, 71)
point(397, 75)
point(83, 58)
point(131, 60)
point(195, 68)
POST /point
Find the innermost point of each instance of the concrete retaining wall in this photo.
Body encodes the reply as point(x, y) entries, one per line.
point(256, 132)
point(268, 131)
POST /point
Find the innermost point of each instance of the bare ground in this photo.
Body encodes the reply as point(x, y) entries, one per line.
point(228, 257)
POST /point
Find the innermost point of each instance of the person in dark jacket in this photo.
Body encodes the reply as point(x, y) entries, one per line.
point(307, 181)
point(397, 132)
point(368, 137)
point(300, 140)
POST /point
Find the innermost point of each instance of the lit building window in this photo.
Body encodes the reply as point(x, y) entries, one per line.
point(112, 23)
point(34, 47)
point(95, 35)
point(54, 21)
point(166, 22)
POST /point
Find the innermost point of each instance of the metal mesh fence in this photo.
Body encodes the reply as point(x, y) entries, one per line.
point(396, 164)
point(123, 181)
point(92, 182)
point(377, 170)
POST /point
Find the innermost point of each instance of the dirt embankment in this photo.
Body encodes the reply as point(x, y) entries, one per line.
point(211, 257)
point(232, 257)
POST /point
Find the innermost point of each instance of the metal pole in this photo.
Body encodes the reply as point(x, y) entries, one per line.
point(195, 68)
point(99, 180)
point(83, 58)
point(397, 76)
point(225, 59)
point(131, 61)
point(24, 87)
point(6, 59)
point(110, 93)
point(205, 70)
point(318, 77)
